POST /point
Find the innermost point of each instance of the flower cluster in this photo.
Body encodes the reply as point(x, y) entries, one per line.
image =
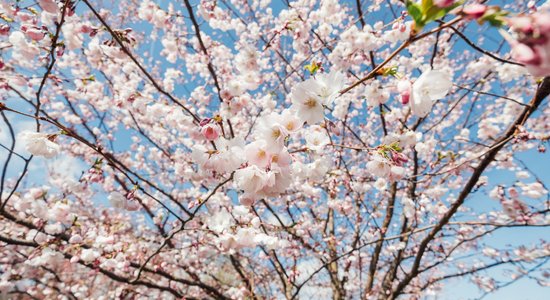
point(388, 160)
point(268, 169)
point(532, 44)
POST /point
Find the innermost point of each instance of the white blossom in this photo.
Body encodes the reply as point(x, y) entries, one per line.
point(40, 144)
point(430, 86)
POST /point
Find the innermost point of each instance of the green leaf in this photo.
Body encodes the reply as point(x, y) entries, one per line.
point(495, 16)
point(495, 22)
point(391, 71)
point(435, 12)
point(415, 11)
point(426, 12)
point(426, 5)
point(395, 147)
point(313, 67)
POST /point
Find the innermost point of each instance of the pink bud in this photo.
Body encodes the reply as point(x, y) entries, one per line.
point(86, 29)
point(210, 132)
point(399, 158)
point(226, 94)
point(525, 54)
point(60, 50)
point(404, 89)
point(522, 24)
point(474, 11)
point(405, 98)
point(4, 29)
point(443, 3)
point(131, 195)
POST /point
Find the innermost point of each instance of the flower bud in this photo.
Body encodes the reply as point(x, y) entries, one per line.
point(474, 11)
point(210, 132)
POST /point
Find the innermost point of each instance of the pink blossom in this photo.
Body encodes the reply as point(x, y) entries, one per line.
point(4, 29)
point(379, 166)
point(531, 45)
point(49, 6)
point(251, 179)
point(257, 153)
point(522, 24)
point(404, 89)
point(247, 199)
point(210, 131)
point(525, 54)
point(35, 34)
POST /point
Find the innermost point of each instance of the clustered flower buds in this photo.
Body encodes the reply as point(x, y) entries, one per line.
point(531, 46)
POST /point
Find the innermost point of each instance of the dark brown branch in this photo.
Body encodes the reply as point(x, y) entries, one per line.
point(543, 91)
point(378, 248)
point(52, 62)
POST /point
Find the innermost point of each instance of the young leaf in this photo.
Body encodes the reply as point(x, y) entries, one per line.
point(415, 11)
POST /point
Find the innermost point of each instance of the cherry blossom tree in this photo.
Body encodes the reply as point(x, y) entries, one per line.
point(258, 149)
